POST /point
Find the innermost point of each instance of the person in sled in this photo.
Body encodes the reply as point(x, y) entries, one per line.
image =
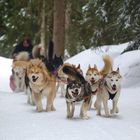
point(24, 46)
point(22, 51)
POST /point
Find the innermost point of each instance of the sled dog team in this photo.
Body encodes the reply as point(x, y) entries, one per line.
point(33, 77)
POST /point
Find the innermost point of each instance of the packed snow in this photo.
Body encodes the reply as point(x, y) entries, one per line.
point(20, 121)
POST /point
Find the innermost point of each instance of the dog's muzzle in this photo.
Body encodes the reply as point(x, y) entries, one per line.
point(75, 93)
point(92, 81)
point(34, 78)
point(114, 87)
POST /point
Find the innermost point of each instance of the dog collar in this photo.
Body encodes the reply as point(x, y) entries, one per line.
point(94, 92)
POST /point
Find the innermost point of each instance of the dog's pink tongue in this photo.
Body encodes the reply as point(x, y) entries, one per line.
point(114, 88)
point(75, 94)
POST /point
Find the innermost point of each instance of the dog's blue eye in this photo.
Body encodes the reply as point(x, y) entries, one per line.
point(95, 74)
point(111, 79)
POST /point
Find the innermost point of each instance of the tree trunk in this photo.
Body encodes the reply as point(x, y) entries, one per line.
point(67, 23)
point(59, 27)
point(42, 37)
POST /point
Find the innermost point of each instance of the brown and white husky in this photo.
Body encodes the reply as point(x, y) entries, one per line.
point(94, 76)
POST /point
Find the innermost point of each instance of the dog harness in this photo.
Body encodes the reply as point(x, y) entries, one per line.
point(111, 96)
point(94, 92)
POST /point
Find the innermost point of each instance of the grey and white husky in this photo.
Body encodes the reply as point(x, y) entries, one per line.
point(78, 89)
point(109, 90)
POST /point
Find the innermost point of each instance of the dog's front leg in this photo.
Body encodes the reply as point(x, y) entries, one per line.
point(90, 104)
point(62, 85)
point(22, 87)
point(68, 110)
point(98, 106)
point(105, 103)
point(38, 101)
point(17, 84)
point(114, 108)
point(73, 108)
point(50, 99)
point(84, 109)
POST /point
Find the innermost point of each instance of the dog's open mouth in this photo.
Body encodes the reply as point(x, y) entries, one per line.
point(92, 81)
point(34, 79)
point(75, 94)
point(114, 88)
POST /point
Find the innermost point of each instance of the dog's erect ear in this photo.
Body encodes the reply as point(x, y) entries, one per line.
point(95, 66)
point(68, 80)
point(78, 67)
point(89, 66)
point(118, 70)
point(40, 64)
point(55, 56)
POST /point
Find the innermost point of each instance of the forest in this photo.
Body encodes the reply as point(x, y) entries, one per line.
point(73, 25)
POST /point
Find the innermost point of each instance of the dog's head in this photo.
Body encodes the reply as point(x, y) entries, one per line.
point(57, 61)
point(37, 72)
point(19, 68)
point(93, 75)
point(73, 88)
point(60, 74)
point(78, 68)
point(113, 80)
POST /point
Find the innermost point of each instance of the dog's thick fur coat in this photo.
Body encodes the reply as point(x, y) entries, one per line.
point(109, 89)
point(42, 83)
point(82, 94)
point(94, 76)
point(18, 72)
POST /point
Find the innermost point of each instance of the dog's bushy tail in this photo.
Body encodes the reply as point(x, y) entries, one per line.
point(38, 51)
point(72, 72)
point(22, 56)
point(108, 63)
point(50, 50)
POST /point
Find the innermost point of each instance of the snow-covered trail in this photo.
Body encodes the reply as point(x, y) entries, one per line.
point(20, 121)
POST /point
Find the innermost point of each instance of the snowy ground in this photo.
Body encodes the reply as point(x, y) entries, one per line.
point(20, 121)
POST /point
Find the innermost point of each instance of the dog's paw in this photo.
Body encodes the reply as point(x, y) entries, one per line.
point(39, 109)
point(69, 116)
point(17, 90)
point(112, 111)
point(32, 103)
point(84, 117)
point(98, 114)
point(48, 109)
point(107, 115)
point(53, 108)
point(117, 110)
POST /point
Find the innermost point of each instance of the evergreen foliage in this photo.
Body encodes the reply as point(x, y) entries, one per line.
point(92, 23)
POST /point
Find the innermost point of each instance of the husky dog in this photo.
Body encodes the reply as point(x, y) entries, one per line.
point(38, 52)
point(41, 83)
point(18, 74)
point(22, 56)
point(78, 89)
point(109, 90)
point(17, 83)
point(63, 79)
point(52, 62)
point(94, 76)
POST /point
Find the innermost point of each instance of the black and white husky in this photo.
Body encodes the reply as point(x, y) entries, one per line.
point(109, 90)
point(78, 89)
